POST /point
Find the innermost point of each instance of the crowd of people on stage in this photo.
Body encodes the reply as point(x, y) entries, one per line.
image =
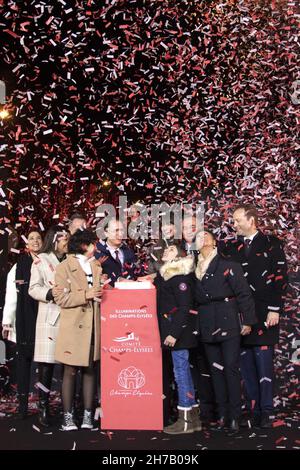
point(218, 307)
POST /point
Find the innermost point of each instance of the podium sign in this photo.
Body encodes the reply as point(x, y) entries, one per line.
point(131, 366)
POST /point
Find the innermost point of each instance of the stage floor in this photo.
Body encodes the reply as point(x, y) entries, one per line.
point(26, 434)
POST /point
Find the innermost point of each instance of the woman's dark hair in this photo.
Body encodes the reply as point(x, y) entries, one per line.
point(51, 238)
point(79, 238)
point(181, 251)
point(34, 230)
point(212, 234)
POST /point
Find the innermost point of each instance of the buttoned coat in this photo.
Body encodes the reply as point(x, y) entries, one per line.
point(79, 317)
point(265, 269)
point(224, 301)
point(41, 281)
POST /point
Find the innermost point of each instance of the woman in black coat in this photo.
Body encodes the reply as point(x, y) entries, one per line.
point(225, 312)
point(19, 316)
point(178, 331)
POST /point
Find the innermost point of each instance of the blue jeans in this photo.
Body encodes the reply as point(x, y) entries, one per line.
point(183, 378)
point(258, 375)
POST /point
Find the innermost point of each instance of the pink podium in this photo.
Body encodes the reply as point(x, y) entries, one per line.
point(131, 366)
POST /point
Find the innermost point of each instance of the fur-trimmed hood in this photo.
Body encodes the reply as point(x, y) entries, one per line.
point(179, 266)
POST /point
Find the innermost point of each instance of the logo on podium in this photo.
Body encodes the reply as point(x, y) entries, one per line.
point(129, 337)
point(131, 378)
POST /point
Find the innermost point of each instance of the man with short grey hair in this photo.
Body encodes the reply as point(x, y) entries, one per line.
point(119, 261)
point(264, 264)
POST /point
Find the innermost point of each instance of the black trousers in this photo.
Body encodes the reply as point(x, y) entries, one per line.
point(224, 362)
point(203, 382)
point(24, 363)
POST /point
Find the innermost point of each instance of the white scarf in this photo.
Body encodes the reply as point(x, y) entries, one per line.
point(203, 263)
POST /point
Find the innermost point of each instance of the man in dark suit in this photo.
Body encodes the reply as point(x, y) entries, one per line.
point(119, 260)
point(264, 264)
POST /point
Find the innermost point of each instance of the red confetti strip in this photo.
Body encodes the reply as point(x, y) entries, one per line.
point(115, 358)
point(278, 423)
point(193, 312)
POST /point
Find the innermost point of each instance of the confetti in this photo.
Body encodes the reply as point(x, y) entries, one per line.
point(42, 387)
point(218, 366)
point(170, 101)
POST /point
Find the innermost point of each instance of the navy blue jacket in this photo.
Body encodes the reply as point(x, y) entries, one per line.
point(222, 296)
point(265, 269)
point(174, 285)
point(113, 268)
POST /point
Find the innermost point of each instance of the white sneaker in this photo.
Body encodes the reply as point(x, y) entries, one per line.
point(87, 422)
point(68, 423)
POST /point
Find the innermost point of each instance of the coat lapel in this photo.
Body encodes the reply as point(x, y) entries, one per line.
point(78, 272)
point(211, 268)
point(257, 247)
point(106, 252)
point(52, 260)
point(257, 244)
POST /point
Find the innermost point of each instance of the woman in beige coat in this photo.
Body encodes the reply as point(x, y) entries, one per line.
point(78, 292)
point(41, 288)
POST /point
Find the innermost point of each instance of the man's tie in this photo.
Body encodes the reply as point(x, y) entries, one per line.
point(247, 245)
point(117, 257)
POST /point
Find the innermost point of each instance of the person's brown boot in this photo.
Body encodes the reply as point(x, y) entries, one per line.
point(197, 425)
point(183, 425)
